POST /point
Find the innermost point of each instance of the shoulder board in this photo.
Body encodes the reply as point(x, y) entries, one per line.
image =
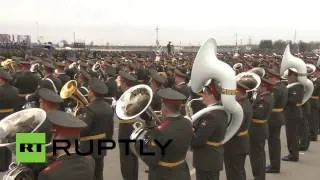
point(52, 166)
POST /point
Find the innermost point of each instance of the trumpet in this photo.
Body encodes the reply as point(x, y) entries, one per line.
point(70, 90)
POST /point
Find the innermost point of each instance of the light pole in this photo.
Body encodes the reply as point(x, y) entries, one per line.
point(37, 23)
point(157, 36)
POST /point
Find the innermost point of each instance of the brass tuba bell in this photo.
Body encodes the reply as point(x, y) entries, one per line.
point(70, 90)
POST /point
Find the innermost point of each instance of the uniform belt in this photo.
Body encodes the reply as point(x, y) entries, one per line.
point(127, 121)
point(6, 110)
point(94, 137)
point(277, 110)
point(214, 144)
point(24, 95)
point(298, 105)
point(170, 164)
point(243, 133)
point(314, 97)
point(259, 121)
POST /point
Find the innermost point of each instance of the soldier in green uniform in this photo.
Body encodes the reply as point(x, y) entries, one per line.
point(67, 166)
point(315, 105)
point(237, 148)
point(258, 131)
point(128, 162)
point(293, 114)
point(8, 105)
point(175, 132)
point(276, 120)
point(98, 115)
point(209, 132)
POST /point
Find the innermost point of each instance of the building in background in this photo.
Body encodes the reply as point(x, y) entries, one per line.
point(5, 38)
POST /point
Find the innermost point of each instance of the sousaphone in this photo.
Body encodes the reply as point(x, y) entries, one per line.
point(290, 61)
point(207, 66)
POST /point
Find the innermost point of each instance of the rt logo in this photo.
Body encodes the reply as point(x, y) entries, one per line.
point(30, 147)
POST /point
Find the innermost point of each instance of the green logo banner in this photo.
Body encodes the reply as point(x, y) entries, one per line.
point(31, 147)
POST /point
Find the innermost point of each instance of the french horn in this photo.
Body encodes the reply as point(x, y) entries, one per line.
point(290, 61)
point(24, 121)
point(70, 90)
point(207, 66)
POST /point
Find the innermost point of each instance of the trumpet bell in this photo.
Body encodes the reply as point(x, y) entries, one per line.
point(24, 121)
point(134, 102)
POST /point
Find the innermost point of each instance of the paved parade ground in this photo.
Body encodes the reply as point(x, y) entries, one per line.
point(308, 168)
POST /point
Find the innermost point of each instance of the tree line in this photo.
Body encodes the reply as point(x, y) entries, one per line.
point(280, 45)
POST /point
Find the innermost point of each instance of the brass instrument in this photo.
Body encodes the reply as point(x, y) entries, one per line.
point(9, 65)
point(132, 103)
point(35, 68)
point(207, 66)
point(24, 121)
point(259, 71)
point(296, 64)
point(188, 107)
point(70, 90)
point(238, 67)
point(311, 69)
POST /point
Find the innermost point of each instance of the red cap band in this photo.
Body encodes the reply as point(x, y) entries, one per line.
point(3, 79)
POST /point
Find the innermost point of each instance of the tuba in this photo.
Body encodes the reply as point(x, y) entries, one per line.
point(132, 103)
point(290, 61)
point(25, 121)
point(70, 90)
point(259, 71)
point(98, 69)
point(207, 66)
point(250, 80)
point(238, 67)
point(310, 69)
point(188, 107)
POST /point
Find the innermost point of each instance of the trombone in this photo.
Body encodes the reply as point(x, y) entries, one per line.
point(70, 90)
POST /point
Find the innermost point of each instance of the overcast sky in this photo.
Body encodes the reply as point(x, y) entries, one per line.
point(185, 21)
